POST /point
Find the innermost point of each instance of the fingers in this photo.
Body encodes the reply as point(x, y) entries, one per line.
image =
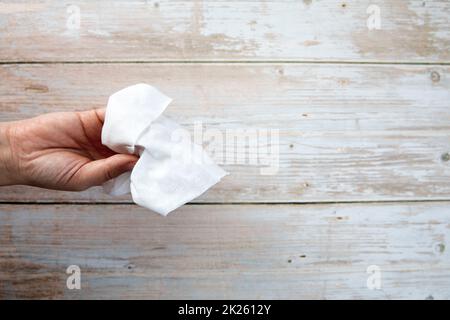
point(100, 114)
point(89, 135)
point(91, 116)
point(97, 172)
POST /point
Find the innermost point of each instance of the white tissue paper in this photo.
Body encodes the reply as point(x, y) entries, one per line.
point(171, 169)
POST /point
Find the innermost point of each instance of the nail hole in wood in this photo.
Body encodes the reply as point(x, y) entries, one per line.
point(435, 76)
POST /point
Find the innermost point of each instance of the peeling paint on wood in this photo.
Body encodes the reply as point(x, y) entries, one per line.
point(226, 251)
point(225, 30)
point(347, 132)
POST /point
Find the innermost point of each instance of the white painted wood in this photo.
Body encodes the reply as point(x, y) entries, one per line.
point(346, 132)
point(226, 251)
point(45, 30)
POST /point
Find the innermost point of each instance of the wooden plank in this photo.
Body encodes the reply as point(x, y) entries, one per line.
point(44, 30)
point(226, 251)
point(346, 133)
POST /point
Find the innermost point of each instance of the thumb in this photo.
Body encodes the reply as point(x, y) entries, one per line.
point(97, 172)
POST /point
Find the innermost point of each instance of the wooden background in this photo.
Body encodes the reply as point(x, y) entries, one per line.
point(364, 163)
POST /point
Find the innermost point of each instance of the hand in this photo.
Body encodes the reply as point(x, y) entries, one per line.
point(60, 151)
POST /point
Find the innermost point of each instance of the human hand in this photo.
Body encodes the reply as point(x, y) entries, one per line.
point(61, 151)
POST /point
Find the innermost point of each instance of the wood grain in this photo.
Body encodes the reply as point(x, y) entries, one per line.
point(346, 133)
point(226, 251)
point(309, 30)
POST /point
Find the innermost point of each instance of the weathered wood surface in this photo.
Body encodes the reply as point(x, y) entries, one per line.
point(346, 133)
point(43, 30)
point(226, 251)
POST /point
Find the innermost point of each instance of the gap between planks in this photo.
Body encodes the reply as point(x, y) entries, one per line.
point(237, 203)
point(332, 62)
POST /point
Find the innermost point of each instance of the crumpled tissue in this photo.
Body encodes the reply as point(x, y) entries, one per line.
point(171, 170)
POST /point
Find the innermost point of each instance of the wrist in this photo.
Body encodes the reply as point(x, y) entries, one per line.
point(7, 176)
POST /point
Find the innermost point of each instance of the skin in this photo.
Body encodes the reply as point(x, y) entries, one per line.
point(61, 151)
